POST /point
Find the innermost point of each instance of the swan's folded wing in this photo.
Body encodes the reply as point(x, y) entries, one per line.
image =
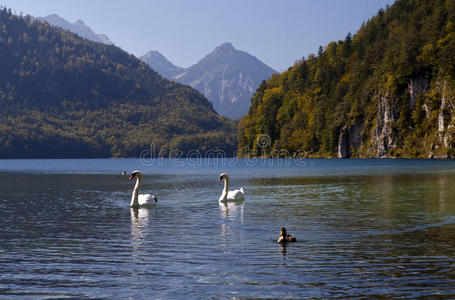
point(235, 195)
point(147, 199)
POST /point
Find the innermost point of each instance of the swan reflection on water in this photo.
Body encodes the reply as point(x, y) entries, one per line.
point(231, 210)
point(139, 224)
point(232, 213)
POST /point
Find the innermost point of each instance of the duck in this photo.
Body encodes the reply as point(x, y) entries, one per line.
point(140, 200)
point(230, 196)
point(285, 237)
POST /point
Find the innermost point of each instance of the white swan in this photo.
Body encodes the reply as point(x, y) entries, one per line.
point(143, 200)
point(235, 195)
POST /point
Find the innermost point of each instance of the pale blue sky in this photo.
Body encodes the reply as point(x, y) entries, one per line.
point(276, 32)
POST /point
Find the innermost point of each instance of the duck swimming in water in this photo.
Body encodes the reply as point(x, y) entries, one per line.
point(285, 237)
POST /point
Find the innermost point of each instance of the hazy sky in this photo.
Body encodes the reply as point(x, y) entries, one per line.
point(276, 32)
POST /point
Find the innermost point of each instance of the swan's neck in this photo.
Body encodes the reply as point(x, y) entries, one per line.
point(226, 185)
point(135, 195)
point(223, 196)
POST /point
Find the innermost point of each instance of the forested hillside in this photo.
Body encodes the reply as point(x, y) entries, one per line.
point(387, 91)
point(65, 96)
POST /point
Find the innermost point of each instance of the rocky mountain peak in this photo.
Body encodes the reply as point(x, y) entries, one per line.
point(161, 64)
point(227, 77)
point(224, 47)
point(154, 54)
point(77, 27)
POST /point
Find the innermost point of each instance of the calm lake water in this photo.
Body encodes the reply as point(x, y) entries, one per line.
point(364, 228)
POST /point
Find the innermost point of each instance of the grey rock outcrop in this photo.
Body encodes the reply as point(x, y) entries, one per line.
point(386, 114)
point(414, 88)
point(348, 140)
point(446, 118)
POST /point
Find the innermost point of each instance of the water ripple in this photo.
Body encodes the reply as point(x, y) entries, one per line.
point(374, 237)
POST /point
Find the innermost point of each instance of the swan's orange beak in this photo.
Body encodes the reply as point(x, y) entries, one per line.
point(219, 179)
point(131, 177)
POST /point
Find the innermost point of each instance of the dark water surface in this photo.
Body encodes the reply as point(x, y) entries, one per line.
point(364, 228)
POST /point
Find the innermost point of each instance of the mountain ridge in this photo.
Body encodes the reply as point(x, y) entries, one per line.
point(161, 64)
point(78, 27)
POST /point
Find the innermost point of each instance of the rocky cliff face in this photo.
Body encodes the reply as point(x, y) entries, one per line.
point(227, 77)
point(383, 137)
point(349, 140)
point(446, 123)
point(438, 104)
point(415, 87)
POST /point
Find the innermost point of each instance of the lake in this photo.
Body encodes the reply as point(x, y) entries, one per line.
point(364, 228)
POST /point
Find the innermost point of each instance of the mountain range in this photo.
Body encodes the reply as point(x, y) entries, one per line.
point(226, 76)
point(62, 95)
point(387, 91)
